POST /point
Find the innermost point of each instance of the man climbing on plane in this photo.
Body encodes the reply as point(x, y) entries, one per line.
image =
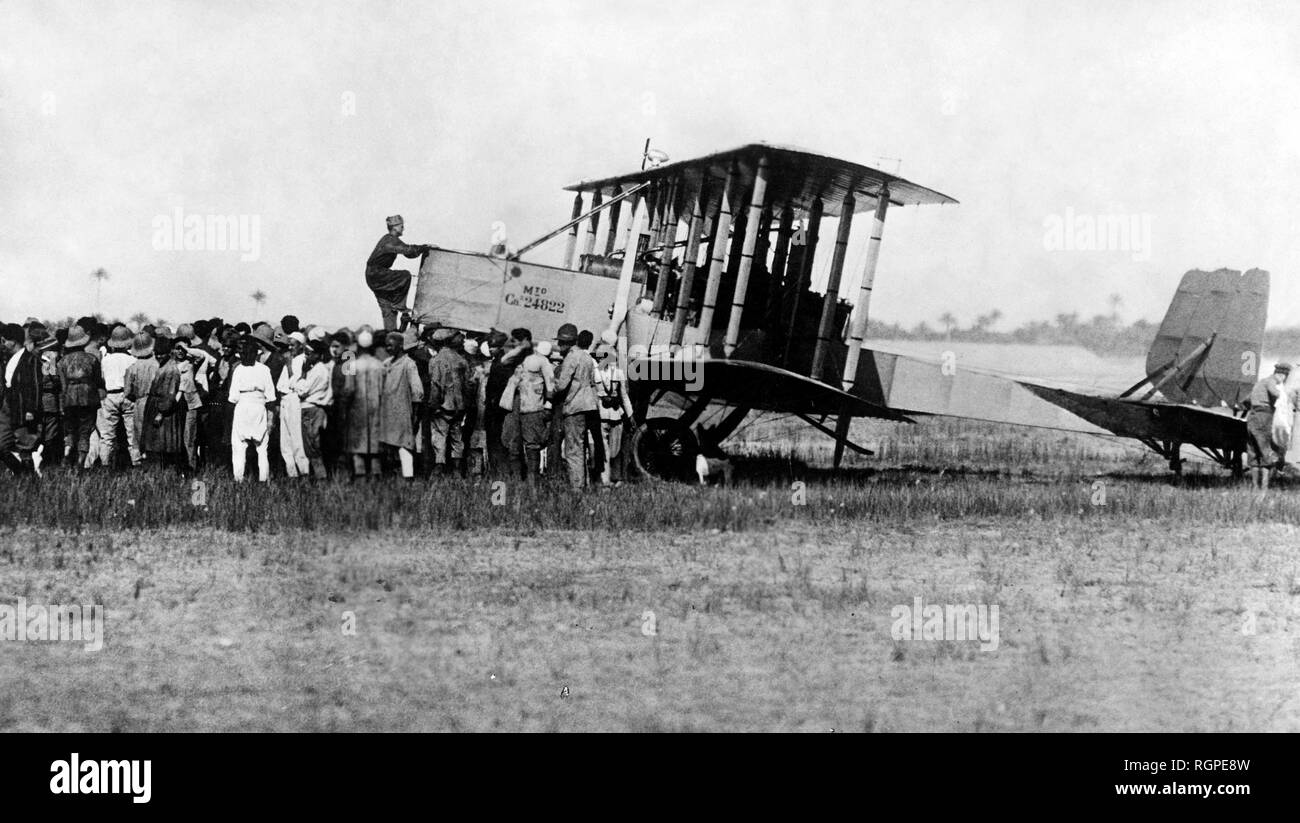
point(391, 285)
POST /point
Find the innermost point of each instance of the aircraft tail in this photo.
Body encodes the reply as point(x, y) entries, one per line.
point(1208, 347)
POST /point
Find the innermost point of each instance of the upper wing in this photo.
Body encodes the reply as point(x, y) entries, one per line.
point(796, 177)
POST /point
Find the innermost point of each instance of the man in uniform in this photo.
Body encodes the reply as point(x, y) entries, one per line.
point(448, 386)
point(1264, 455)
point(390, 285)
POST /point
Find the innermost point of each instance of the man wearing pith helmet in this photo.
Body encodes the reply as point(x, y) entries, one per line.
point(1264, 454)
point(388, 284)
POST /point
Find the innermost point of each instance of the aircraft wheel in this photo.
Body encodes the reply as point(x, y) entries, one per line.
point(664, 449)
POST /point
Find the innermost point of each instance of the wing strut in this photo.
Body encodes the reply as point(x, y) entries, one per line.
point(577, 219)
point(829, 432)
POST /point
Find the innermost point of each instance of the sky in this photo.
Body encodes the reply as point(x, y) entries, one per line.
point(311, 122)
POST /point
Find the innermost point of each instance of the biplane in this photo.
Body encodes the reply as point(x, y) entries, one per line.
point(713, 307)
point(702, 270)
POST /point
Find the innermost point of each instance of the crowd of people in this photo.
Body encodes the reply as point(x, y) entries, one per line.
point(298, 401)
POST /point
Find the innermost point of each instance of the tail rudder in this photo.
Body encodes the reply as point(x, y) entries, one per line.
point(1226, 309)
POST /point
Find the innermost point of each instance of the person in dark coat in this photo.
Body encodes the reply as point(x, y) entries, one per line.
point(220, 410)
point(20, 403)
point(164, 424)
point(389, 285)
point(46, 348)
point(499, 372)
point(332, 444)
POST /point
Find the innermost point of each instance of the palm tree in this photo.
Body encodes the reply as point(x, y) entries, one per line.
point(949, 323)
point(139, 319)
point(100, 276)
point(1115, 302)
point(259, 297)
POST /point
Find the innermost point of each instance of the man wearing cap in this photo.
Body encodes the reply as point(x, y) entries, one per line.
point(135, 387)
point(388, 284)
point(292, 449)
point(115, 409)
point(448, 378)
point(1264, 454)
point(20, 395)
point(81, 385)
point(576, 381)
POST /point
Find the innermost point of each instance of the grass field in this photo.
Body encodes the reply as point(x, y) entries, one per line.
point(1125, 603)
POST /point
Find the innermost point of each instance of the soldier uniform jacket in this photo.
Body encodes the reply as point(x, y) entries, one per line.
point(80, 378)
point(448, 379)
point(576, 381)
point(139, 377)
point(386, 251)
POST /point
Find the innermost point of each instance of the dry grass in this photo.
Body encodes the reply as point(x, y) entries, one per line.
point(769, 615)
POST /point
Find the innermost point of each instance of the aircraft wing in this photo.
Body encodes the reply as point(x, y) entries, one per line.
point(754, 385)
point(1211, 428)
point(797, 177)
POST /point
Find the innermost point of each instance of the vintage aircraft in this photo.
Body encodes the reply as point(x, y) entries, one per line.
point(709, 309)
point(716, 318)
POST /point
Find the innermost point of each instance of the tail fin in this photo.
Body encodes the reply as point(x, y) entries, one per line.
point(1227, 309)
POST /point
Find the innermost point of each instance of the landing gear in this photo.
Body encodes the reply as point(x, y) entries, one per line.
point(665, 448)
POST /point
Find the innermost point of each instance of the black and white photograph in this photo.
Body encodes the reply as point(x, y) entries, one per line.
point(727, 366)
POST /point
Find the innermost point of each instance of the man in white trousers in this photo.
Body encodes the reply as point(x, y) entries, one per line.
point(251, 390)
point(291, 445)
